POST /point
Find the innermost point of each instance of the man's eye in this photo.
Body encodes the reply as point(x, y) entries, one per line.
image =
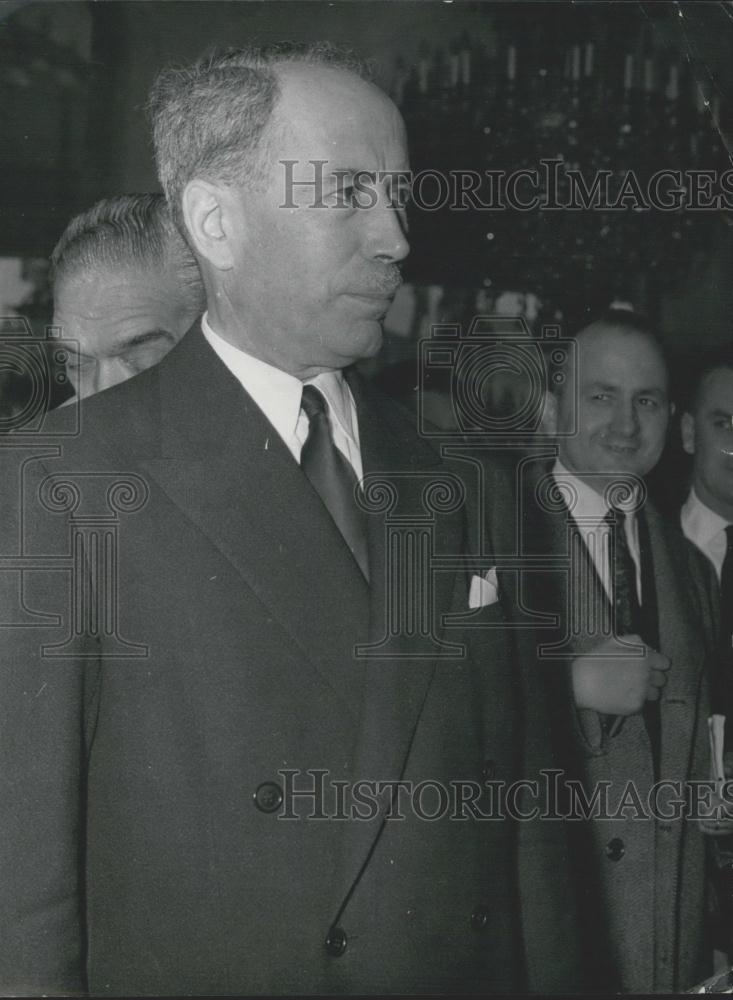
point(343, 196)
point(600, 396)
point(138, 364)
point(145, 355)
point(648, 402)
point(75, 362)
point(400, 196)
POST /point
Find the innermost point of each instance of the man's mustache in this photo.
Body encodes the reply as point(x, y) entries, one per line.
point(384, 282)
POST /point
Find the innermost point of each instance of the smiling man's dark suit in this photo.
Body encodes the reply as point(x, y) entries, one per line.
point(134, 841)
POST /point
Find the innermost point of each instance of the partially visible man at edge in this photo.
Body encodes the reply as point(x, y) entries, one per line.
point(126, 287)
point(707, 513)
point(144, 846)
point(707, 520)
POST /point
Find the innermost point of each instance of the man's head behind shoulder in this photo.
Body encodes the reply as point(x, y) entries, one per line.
point(261, 153)
point(612, 408)
point(126, 289)
point(707, 431)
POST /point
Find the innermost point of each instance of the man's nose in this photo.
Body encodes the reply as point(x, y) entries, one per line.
point(626, 419)
point(387, 229)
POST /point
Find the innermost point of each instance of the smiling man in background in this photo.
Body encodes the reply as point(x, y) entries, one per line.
point(624, 668)
point(126, 287)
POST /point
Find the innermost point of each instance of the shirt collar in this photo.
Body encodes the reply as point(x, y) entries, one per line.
point(336, 390)
point(277, 393)
point(699, 522)
point(589, 505)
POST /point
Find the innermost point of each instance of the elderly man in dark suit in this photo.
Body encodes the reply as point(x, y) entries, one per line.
point(619, 616)
point(200, 754)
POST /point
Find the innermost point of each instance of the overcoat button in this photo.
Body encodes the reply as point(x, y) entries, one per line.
point(268, 796)
point(336, 942)
point(615, 849)
point(480, 918)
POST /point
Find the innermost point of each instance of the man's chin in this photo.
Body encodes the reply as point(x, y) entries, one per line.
point(377, 339)
point(367, 343)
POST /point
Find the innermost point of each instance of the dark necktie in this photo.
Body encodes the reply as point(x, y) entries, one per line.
point(625, 597)
point(722, 694)
point(630, 619)
point(332, 477)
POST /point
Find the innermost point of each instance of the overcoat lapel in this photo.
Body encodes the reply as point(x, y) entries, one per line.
point(394, 455)
point(398, 672)
point(396, 680)
point(569, 586)
point(223, 464)
point(680, 641)
point(548, 532)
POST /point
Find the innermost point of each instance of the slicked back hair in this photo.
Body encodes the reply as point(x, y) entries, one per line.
point(210, 119)
point(712, 361)
point(129, 231)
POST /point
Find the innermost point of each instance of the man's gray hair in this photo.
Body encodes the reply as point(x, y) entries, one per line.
point(131, 230)
point(209, 119)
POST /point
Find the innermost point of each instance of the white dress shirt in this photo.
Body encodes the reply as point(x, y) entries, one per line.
point(705, 529)
point(279, 395)
point(589, 512)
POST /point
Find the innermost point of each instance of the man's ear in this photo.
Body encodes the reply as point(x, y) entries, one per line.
point(548, 421)
point(687, 428)
point(204, 211)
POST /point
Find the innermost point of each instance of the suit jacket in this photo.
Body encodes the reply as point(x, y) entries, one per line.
point(721, 686)
point(634, 908)
point(200, 669)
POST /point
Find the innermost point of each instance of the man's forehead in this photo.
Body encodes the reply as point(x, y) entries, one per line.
point(605, 352)
point(717, 388)
point(326, 111)
point(103, 317)
point(303, 83)
point(91, 292)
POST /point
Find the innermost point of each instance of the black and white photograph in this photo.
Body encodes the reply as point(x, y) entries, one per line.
point(366, 497)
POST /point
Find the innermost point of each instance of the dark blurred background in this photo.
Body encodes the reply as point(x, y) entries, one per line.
point(483, 86)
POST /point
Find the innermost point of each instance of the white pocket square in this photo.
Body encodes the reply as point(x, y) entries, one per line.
point(484, 590)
